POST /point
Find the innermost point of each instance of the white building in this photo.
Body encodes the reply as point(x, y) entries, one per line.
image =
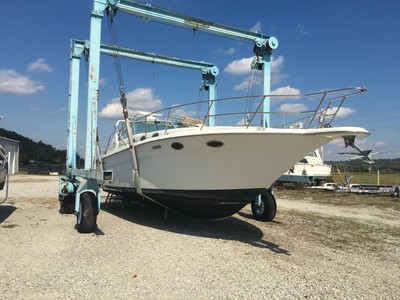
point(12, 150)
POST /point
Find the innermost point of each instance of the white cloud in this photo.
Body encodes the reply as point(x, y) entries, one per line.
point(293, 107)
point(140, 99)
point(15, 83)
point(272, 28)
point(111, 110)
point(40, 66)
point(277, 76)
point(227, 52)
point(286, 91)
point(103, 81)
point(343, 111)
point(244, 85)
point(239, 67)
point(328, 152)
point(241, 122)
point(380, 144)
point(362, 142)
point(277, 64)
point(179, 112)
point(302, 29)
point(337, 143)
point(257, 27)
point(243, 67)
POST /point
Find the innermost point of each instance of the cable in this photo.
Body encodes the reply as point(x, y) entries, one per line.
point(384, 127)
point(199, 103)
point(374, 101)
point(251, 88)
point(374, 121)
point(117, 61)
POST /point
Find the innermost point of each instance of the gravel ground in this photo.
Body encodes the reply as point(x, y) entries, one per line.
point(310, 251)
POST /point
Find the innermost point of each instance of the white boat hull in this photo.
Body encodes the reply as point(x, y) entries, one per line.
point(216, 171)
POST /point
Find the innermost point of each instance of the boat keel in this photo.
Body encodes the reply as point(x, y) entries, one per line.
point(205, 204)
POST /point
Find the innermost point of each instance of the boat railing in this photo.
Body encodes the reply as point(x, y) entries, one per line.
point(289, 111)
point(328, 105)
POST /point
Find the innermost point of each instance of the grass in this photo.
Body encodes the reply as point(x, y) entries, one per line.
point(343, 233)
point(342, 198)
point(368, 178)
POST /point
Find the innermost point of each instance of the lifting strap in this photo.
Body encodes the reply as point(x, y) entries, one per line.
point(124, 103)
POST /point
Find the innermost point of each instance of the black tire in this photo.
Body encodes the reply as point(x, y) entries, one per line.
point(88, 215)
point(67, 205)
point(266, 211)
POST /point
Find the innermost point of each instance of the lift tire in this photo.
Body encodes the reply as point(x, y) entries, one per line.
point(267, 210)
point(67, 206)
point(88, 215)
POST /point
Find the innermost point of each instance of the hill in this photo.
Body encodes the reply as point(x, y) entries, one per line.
point(30, 150)
point(383, 165)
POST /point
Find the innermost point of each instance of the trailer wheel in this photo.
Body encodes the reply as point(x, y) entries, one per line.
point(265, 209)
point(87, 216)
point(67, 205)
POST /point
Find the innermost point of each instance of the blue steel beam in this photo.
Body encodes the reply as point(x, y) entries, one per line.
point(263, 44)
point(149, 12)
point(209, 71)
point(75, 58)
point(67, 183)
point(262, 61)
point(96, 18)
point(155, 58)
point(210, 85)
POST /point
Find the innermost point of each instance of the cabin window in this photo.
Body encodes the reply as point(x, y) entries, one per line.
point(177, 146)
point(215, 144)
point(312, 154)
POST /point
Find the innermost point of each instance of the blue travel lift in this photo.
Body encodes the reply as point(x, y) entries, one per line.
point(80, 188)
point(74, 191)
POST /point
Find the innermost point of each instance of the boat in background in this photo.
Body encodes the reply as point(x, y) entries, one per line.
point(310, 169)
point(214, 171)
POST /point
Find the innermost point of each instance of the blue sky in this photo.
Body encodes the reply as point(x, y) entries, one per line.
point(322, 45)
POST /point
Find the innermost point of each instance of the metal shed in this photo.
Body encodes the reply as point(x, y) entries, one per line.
point(12, 150)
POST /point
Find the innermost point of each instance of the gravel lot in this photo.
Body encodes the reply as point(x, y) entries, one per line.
point(310, 251)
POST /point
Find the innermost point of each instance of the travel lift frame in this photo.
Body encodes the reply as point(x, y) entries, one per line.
point(81, 186)
point(71, 188)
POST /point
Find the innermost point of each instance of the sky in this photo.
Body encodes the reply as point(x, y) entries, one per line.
point(322, 45)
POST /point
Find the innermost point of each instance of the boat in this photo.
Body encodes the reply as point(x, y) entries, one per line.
point(208, 163)
point(212, 172)
point(310, 169)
